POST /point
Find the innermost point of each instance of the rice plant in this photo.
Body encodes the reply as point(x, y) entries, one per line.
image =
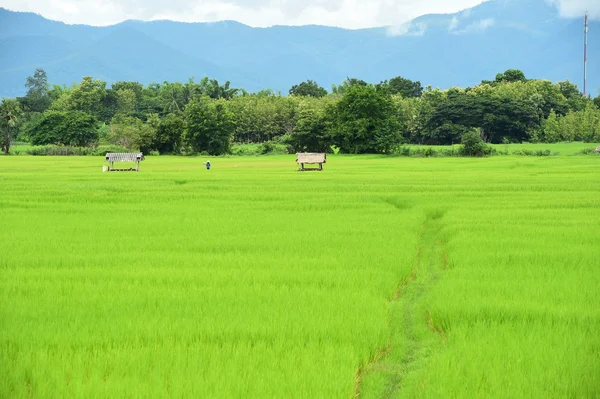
point(378, 276)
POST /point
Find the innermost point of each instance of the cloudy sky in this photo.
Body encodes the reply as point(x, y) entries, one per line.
point(343, 13)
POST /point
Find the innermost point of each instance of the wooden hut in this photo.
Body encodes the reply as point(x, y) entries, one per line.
point(311, 159)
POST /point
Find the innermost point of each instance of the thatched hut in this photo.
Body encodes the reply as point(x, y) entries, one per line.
point(135, 157)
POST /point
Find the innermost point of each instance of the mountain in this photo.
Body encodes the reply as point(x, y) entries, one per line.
point(442, 50)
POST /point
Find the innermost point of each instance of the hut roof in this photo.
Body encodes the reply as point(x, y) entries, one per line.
point(124, 156)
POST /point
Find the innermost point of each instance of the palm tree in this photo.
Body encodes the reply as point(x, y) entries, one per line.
point(10, 115)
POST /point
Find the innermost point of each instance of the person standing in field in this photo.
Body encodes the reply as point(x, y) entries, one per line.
point(207, 163)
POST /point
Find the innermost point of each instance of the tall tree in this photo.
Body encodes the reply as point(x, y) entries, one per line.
point(508, 76)
point(87, 96)
point(75, 128)
point(10, 116)
point(575, 99)
point(308, 88)
point(209, 126)
point(132, 133)
point(497, 117)
point(136, 87)
point(173, 97)
point(310, 132)
point(37, 98)
point(341, 89)
point(402, 86)
point(214, 90)
point(511, 75)
point(126, 101)
point(550, 132)
point(365, 121)
point(169, 134)
point(151, 101)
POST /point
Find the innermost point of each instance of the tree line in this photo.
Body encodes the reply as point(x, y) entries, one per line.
point(355, 117)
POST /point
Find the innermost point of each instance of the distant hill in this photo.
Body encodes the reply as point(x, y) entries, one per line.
point(447, 50)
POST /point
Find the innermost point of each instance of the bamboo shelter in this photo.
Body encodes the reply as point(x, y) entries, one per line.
point(311, 159)
point(112, 157)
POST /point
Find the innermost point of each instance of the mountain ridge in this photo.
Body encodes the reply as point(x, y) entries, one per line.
point(442, 50)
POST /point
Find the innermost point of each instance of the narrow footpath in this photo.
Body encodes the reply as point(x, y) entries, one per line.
point(412, 335)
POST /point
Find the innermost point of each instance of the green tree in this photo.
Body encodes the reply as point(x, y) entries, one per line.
point(408, 111)
point(568, 127)
point(75, 128)
point(365, 121)
point(172, 97)
point(261, 118)
point(448, 133)
point(28, 126)
point(132, 133)
point(88, 96)
point(124, 98)
point(473, 145)
point(498, 117)
point(542, 94)
point(551, 132)
point(209, 126)
point(10, 117)
point(266, 93)
point(126, 101)
point(151, 100)
point(568, 89)
point(402, 86)
point(575, 99)
point(423, 110)
point(597, 102)
point(215, 91)
point(341, 89)
point(169, 134)
point(588, 124)
point(510, 76)
point(308, 88)
point(135, 87)
point(37, 98)
point(310, 132)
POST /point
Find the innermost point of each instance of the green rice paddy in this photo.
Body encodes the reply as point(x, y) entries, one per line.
point(378, 277)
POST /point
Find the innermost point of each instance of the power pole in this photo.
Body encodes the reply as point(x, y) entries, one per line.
point(585, 35)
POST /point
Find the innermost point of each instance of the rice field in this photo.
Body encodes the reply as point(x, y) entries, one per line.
point(379, 277)
point(570, 148)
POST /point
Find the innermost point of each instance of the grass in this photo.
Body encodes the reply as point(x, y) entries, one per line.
point(392, 277)
point(573, 148)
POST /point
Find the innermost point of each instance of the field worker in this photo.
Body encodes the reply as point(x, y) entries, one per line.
point(207, 163)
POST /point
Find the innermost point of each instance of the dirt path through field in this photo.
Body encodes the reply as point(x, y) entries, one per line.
point(412, 334)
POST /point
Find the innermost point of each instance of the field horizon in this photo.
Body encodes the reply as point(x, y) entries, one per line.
point(554, 149)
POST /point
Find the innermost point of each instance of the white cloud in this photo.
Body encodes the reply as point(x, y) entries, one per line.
point(576, 8)
point(343, 13)
point(479, 26)
point(453, 24)
point(407, 29)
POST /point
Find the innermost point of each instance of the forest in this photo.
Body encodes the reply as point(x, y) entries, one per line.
point(355, 117)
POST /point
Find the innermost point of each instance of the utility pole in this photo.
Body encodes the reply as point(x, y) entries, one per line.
point(585, 36)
